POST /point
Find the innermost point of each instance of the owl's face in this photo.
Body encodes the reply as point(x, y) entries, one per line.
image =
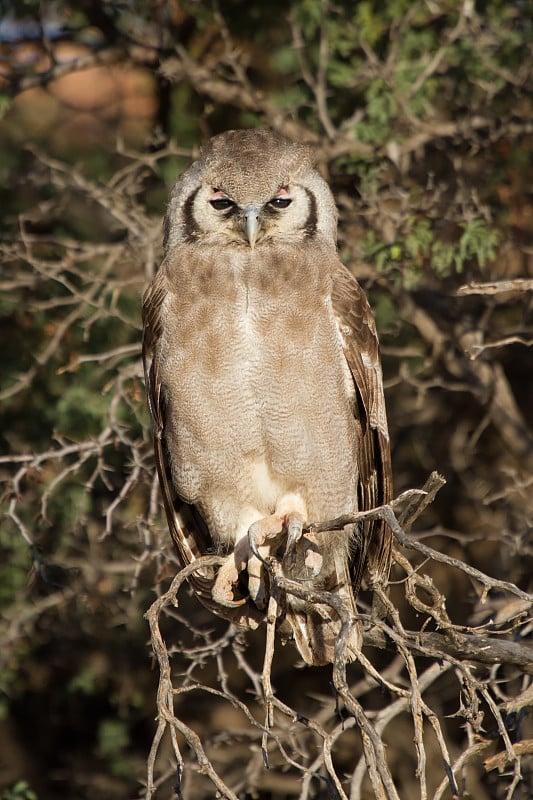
point(247, 189)
point(289, 211)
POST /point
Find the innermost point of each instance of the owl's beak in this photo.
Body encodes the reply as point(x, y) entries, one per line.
point(251, 223)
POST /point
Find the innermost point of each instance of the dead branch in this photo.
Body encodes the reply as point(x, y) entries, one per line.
point(452, 648)
point(496, 287)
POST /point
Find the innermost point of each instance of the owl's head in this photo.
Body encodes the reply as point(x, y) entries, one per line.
point(249, 187)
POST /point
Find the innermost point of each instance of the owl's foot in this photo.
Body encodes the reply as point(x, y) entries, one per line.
point(249, 555)
point(270, 528)
point(263, 533)
point(251, 551)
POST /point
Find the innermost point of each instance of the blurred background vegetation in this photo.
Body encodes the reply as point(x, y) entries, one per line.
point(421, 113)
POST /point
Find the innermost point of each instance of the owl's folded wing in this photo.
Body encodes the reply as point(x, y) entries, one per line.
point(357, 331)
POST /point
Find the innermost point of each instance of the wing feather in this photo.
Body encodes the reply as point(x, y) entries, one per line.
point(357, 331)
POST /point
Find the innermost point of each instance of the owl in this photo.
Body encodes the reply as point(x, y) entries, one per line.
point(265, 389)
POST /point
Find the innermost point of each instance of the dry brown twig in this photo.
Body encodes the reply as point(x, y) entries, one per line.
point(453, 649)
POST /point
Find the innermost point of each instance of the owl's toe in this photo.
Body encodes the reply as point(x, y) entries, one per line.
point(261, 536)
point(264, 530)
point(257, 579)
point(225, 590)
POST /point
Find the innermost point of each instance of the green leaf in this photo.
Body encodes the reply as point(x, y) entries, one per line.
point(19, 791)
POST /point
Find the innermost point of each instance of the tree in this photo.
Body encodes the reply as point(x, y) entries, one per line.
point(420, 114)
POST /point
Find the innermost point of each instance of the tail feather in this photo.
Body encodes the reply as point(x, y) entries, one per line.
point(316, 632)
point(316, 627)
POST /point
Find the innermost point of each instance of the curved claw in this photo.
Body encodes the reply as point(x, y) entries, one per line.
point(250, 555)
point(295, 524)
point(254, 546)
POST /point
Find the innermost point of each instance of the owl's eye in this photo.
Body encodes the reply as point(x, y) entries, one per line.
point(221, 203)
point(280, 202)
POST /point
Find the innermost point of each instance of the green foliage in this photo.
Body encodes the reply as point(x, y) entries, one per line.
point(5, 104)
point(113, 741)
point(470, 70)
point(384, 311)
point(477, 241)
point(15, 562)
point(285, 60)
point(421, 251)
point(84, 682)
point(113, 737)
point(381, 108)
point(80, 409)
point(21, 790)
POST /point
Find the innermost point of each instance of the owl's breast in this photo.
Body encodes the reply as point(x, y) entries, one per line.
point(256, 397)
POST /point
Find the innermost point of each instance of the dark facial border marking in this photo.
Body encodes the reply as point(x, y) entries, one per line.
point(190, 228)
point(312, 218)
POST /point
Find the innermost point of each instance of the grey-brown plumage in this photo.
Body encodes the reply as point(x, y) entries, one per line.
point(264, 385)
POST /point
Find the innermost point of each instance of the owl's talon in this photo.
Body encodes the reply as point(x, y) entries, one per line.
point(295, 524)
point(254, 547)
point(230, 603)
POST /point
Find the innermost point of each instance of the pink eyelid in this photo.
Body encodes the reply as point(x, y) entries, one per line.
point(220, 195)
